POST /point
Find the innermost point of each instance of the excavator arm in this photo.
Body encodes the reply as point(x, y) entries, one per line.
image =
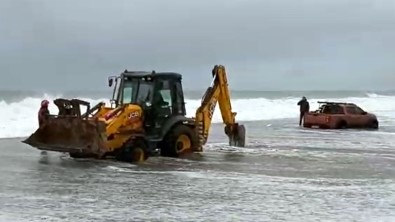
point(218, 92)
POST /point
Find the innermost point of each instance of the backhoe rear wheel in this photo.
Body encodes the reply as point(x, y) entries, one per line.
point(180, 140)
point(134, 151)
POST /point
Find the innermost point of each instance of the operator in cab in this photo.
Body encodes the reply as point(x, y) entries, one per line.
point(43, 112)
point(304, 108)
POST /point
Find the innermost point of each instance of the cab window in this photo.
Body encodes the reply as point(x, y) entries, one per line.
point(163, 98)
point(179, 106)
point(165, 93)
point(127, 92)
point(136, 91)
point(144, 92)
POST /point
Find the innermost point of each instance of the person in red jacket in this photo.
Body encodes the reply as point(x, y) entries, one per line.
point(43, 113)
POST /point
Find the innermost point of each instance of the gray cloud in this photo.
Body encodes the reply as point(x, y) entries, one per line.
point(265, 44)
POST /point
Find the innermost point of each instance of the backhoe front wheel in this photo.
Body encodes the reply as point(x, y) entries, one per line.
point(134, 151)
point(80, 155)
point(181, 139)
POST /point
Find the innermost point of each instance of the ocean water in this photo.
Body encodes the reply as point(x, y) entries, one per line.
point(285, 173)
point(18, 110)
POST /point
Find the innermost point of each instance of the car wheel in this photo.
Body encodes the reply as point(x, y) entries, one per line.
point(341, 125)
point(374, 124)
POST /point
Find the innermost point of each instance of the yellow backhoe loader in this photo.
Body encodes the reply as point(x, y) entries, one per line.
point(146, 117)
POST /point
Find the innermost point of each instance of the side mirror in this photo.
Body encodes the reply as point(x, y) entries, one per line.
point(364, 113)
point(110, 81)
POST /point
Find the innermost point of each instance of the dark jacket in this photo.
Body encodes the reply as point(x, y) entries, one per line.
point(304, 106)
point(43, 114)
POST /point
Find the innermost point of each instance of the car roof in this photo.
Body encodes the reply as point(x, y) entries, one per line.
point(336, 104)
point(153, 74)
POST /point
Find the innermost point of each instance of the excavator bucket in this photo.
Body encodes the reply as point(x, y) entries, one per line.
point(70, 132)
point(236, 134)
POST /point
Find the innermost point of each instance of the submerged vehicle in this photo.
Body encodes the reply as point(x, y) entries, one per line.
point(147, 116)
point(336, 115)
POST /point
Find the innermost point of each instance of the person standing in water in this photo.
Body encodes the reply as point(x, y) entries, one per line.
point(43, 113)
point(304, 108)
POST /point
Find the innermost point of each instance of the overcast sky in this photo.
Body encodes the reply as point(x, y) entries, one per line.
point(264, 44)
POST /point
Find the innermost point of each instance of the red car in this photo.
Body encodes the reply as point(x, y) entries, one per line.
point(334, 115)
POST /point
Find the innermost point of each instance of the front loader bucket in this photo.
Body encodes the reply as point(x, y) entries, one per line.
point(70, 134)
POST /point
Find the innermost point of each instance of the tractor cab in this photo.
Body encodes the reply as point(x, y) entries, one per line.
point(160, 95)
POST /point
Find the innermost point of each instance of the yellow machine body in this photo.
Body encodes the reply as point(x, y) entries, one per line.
point(137, 125)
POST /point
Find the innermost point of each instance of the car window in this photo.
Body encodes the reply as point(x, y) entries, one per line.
point(359, 110)
point(333, 109)
point(351, 110)
point(337, 109)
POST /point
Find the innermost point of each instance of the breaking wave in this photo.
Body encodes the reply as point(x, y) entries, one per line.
point(19, 119)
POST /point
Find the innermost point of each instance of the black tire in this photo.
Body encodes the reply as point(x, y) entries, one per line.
point(180, 140)
point(79, 155)
point(341, 124)
point(134, 151)
point(374, 124)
